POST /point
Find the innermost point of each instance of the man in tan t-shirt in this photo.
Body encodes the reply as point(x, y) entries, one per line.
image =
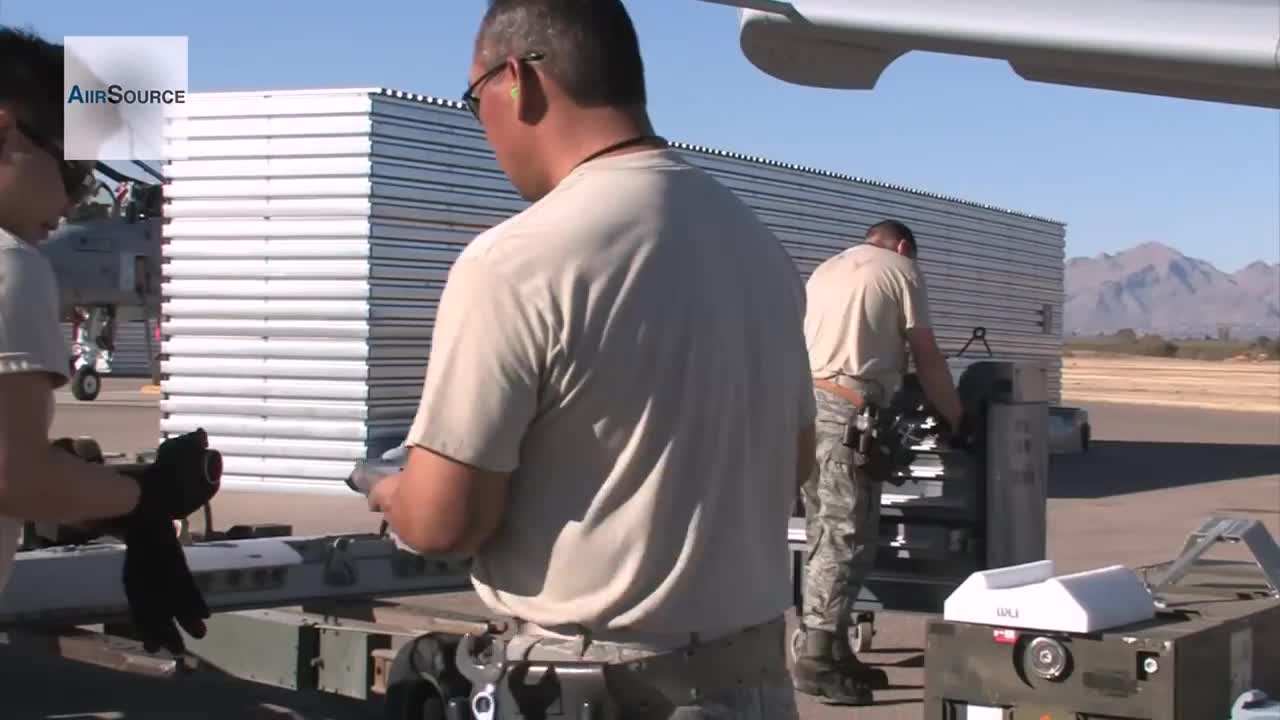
point(38, 482)
point(865, 307)
point(617, 410)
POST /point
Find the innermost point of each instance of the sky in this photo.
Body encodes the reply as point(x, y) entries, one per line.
point(1120, 169)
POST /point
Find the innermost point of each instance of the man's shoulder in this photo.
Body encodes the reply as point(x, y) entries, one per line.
point(528, 231)
point(579, 216)
point(23, 268)
point(8, 241)
point(870, 259)
point(842, 263)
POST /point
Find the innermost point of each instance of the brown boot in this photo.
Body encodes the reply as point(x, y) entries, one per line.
point(817, 672)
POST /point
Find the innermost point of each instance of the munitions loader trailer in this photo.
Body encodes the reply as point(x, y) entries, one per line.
point(300, 613)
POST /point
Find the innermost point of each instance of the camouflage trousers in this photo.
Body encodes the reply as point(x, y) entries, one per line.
point(842, 522)
point(768, 696)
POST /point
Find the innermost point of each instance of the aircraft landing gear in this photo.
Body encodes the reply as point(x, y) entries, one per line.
point(93, 341)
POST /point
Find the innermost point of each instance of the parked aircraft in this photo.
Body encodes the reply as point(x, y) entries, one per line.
point(106, 257)
point(1192, 49)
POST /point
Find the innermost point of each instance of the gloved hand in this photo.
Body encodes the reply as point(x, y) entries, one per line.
point(161, 591)
point(185, 476)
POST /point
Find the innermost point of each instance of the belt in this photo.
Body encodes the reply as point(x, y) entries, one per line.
point(718, 668)
point(634, 639)
point(653, 686)
point(853, 397)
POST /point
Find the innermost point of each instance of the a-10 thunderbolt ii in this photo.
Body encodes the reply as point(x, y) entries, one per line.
point(1210, 50)
point(106, 257)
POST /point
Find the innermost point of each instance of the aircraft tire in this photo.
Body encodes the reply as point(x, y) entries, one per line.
point(86, 384)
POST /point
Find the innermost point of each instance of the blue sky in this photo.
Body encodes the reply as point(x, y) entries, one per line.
point(1120, 169)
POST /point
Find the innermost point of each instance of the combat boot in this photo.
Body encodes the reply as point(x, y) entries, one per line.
point(846, 658)
point(819, 673)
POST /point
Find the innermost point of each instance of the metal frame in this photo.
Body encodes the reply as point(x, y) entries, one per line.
point(80, 585)
point(69, 601)
point(1221, 529)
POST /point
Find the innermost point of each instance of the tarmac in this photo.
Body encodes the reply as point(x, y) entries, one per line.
point(1151, 474)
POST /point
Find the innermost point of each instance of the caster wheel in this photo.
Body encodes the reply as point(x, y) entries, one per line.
point(860, 636)
point(86, 384)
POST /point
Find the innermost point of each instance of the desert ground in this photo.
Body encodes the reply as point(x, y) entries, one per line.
point(1237, 385)
point(1157, 465)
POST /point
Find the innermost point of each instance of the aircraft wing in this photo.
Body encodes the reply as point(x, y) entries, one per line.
point(1216, 50)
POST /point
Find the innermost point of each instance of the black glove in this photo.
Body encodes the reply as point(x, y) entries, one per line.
point(185, 476)
point(161, 591)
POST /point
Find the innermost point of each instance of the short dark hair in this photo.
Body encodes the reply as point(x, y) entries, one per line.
point(897, 231)
point(590, 46)
point(31, 79)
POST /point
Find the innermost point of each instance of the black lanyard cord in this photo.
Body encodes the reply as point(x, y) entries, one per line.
point(638, 140)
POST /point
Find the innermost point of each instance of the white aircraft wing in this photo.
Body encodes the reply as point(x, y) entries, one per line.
point(1216, 50)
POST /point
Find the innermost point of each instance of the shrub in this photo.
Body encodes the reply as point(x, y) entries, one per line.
point(1154, 346)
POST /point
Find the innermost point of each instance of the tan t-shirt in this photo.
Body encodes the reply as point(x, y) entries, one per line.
point(860, 305)
point(632, 347)
point(30, 342)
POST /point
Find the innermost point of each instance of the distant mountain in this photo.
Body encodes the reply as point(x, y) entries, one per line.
point(1153, 288)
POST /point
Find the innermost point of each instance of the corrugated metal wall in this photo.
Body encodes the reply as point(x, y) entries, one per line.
point(310, 234)
point(130, 358)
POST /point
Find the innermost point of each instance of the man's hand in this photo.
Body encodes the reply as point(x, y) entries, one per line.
point(383, 494)
point(961, 433)
point(184, 477)
point(935, 376)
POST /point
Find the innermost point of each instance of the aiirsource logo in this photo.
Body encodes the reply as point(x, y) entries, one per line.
point(117, 94)
point(120, 94)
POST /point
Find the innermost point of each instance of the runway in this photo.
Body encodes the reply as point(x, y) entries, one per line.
point(1151, 474)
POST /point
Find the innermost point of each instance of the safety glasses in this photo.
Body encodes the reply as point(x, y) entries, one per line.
point(472, 101)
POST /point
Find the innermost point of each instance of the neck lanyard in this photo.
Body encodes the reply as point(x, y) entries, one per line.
point(638, 140)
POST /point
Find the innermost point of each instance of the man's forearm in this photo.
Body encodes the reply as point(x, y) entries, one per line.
point(54, 486)
point(935, 378)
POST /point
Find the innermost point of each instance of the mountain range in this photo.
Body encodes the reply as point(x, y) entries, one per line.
point(1153, 288)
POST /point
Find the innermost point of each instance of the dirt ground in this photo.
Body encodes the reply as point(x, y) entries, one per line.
point(1151, 474)
point(1237, 385)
